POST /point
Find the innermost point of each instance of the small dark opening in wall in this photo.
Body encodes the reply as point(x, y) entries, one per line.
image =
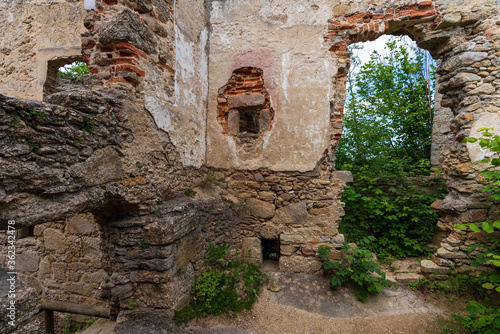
point(31, 231)
point(249, 121)
point(271, 249)
point(68, 68)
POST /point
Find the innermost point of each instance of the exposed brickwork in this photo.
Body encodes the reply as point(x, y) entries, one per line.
point(124, 59)
point(244, 81)
point(414, 21)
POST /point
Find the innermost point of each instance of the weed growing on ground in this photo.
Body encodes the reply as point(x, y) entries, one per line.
point(357, 266)
point(190, 192)
point(71, 327)
point(226, 287)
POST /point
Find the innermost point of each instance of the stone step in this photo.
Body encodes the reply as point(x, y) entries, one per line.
point(428, 268)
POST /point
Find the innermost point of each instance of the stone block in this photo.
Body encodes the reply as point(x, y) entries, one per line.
point(27, 262)
point(339, 239)
point(102, 167)
point(292, 239)
point(408, 277)
point(450, 20)
point(270, 231)
point(156, 264)
point(287, 250)
point(233, 122)
point(442, 262)
point(462, 78)
point(453, 241)
point(81, 224)
point(251, 250)
point(295, 213)
point(444, 253)
point(300, 264)
point(264, 119)
point(429, 267)
point(307, 252)
point(344, 175)
point(54, 240)
point(267, 196)
point(145, 276)
point(260, 208)
point(477, 215)
point(187, 249)
point(246, 100)
point(127, 27)
point(170, 228)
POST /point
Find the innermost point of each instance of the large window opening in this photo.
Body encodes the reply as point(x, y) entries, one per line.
point(389, 108)
point(386, 143)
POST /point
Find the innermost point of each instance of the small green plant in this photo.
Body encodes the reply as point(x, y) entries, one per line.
point(226, 287)
point(210, 180)
point(144, 244)
point(72, 327)
point(35, 147)
point(356, 266)
point(317, 205)
point(77, 142)
point(131, 305)
point(15, 121)
point(190, 192)
point(33, 112)
point(158, 285)
point(159, 202)
point(86, 125)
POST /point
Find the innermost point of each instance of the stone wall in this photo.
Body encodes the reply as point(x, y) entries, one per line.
point(37, 32)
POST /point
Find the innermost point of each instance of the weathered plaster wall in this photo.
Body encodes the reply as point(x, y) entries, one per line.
point(284, 39)
point(181, 112)
point(35, 32)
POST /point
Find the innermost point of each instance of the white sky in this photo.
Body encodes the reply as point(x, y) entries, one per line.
point(378, 44)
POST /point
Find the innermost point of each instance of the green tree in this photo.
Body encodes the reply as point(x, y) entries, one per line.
point(389, 110)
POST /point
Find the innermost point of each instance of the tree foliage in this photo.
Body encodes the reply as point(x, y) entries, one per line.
point(389, 110)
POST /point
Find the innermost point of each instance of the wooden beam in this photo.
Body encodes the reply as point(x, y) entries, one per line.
point(93, 311)
point(49, 321)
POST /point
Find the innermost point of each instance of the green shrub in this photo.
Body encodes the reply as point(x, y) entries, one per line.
point(73, 71)
point(357, 266)
point(227, 286)
point(483, 319)
point(395, 211)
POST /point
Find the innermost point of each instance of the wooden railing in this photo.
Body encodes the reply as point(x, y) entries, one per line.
point(51, 306)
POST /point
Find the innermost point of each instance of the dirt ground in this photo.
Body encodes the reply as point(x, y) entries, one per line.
point(305, 305)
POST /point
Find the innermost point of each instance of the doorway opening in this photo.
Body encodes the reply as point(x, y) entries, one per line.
point(387, 143)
